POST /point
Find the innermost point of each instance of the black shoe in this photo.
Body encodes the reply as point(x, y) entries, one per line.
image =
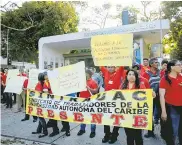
point(106, 138)
point(40, 136)
point(24, 119)
point(156, 121)
point(148, 135)
point(36, 132)
point(112, 140)
point(80, 132)
point(67, 133)
point(7, 106)
point(35, 120)
point(92, 134)
point(53, 134)
point(63, 129)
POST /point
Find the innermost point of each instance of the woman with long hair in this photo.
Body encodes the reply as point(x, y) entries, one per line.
point(171, 103)
point(132, 81)
point(42, 123)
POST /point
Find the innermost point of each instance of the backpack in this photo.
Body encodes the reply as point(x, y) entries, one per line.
point(154, 80)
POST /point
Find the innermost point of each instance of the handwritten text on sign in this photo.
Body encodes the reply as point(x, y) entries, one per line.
point(112, 50)
point(68, 79)
point(126, 108)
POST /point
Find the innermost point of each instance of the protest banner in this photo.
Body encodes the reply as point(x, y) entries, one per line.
point(112, 50)
point(33, 78)
point(125, 108)
point(68, 79)
point(12, 73)
point(15, 85)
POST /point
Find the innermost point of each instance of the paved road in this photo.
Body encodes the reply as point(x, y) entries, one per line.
point(18, 133)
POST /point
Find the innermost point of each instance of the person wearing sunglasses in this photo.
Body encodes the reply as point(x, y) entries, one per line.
point(171, 103)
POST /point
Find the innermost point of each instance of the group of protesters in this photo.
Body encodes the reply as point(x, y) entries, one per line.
point(167, 98)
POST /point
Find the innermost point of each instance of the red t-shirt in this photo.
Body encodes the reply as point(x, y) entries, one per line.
point(143, 69)
point(142, 86)
point(93, 85)
point(47, 86)
point(39, 87)
point(25, 84)
point(162, 73)
point(173, 94)
point(112, 81)
point(23, 74)
point(145, 82)
point(4, 77)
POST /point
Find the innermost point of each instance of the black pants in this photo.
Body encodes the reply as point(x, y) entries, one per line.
point(66, 125)
point(134, 136)
point(27, 116)
point(9, 102)
point(42, 126)
point(14, 101)
point(114, 132)
point(3, 99)
point(54, 124)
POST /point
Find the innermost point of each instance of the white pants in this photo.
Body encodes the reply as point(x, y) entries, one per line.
point(20, 98)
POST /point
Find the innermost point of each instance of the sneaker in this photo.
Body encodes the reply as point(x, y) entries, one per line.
point(63, 129)
point(106, 138)
point(35, 120)
point(19, 110)
point(67, 133)
point(80, 132)
point(53, 134)
point(92, 134)
point(148, 135)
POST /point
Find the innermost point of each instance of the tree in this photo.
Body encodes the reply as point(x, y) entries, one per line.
point(36, 19)
point(173, 11)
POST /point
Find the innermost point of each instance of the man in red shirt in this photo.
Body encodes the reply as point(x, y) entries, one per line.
point(113, 77)
point(92, 88)
point(164, 67)
point(145, 67)
point(25, 85)
point(153, 76)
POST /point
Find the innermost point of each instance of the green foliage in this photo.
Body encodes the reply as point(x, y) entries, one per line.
point(34, 20)
point(173, 11)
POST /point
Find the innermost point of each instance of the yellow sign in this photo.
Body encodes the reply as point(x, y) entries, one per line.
point(125, 108)
point(68, 79)
point(112, 50)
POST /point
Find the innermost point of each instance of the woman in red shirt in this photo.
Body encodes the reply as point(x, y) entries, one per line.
point(42, 122)
point(132, 81)
point(171, 103)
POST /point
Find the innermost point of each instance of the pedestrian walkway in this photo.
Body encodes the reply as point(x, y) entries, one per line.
point(11, 126)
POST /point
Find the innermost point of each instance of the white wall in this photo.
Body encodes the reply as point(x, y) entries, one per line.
point(51, 56)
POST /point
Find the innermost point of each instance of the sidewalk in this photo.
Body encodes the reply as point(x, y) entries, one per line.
point(12, 130)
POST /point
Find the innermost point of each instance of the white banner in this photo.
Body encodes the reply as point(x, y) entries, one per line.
point(33, 78)
point(68, 79)
point(15, 85)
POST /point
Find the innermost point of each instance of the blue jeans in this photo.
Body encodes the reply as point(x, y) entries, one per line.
point(175, 117)
point(93, 127)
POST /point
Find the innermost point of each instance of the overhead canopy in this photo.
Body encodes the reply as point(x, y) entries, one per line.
point(149, 31)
